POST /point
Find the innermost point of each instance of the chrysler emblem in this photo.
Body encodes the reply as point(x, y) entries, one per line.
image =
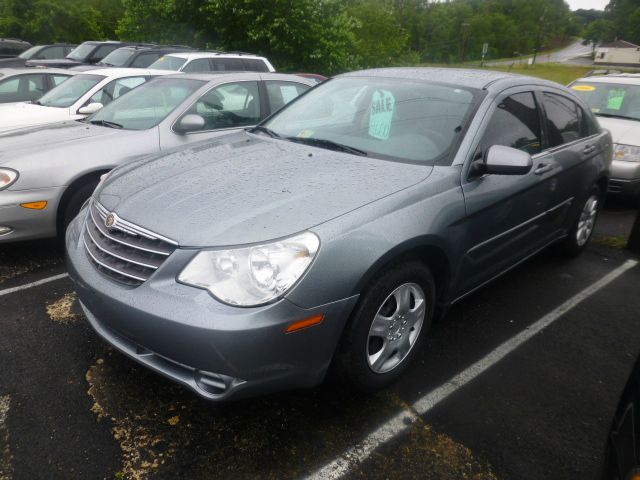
point(110, 220)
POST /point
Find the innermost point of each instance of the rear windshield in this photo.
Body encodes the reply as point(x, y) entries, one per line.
point(616, 100)
point(385, 118)
point(118, 57)
point(69, 92)
point(168, 63)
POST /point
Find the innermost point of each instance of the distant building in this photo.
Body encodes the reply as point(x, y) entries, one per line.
point(619, 52)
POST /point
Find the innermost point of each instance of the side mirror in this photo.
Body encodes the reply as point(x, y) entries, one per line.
point(90, 109)
point(189, 123)
point(503, 160)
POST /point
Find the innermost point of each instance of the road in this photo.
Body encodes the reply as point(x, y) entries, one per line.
point(519, 381)
point(575, 53)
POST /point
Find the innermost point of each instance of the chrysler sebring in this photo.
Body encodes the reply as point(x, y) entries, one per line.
point(330, 236)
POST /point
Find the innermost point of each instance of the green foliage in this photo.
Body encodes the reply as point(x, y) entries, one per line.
point(599, 31)
point(625, 15)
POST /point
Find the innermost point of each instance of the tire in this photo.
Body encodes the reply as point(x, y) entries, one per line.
point(583, 225)
point(365, 359)
point(73, 206)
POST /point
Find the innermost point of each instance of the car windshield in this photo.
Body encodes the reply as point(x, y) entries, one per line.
point(118, 57)
point(81, 52)
point(151, 104)
point(168, 63)
point(379, 117)
point(610, 99)
point(68, 93)
point(27, 54)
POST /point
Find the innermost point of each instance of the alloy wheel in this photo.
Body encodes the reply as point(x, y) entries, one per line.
point(587, 220)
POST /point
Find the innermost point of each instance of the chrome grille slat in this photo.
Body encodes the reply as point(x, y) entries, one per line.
point(124, 252)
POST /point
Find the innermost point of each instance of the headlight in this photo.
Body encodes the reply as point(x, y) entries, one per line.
point(628, 153)
point(7, 177)
point(252, 276)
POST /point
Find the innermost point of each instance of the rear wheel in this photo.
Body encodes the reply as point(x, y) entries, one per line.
point(582, 228)
point(388, 326)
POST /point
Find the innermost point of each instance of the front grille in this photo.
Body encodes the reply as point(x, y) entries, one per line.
point(123, 251)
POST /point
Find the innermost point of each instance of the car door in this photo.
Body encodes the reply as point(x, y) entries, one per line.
point(506, 217)
point(571, 144)
point(225, 108)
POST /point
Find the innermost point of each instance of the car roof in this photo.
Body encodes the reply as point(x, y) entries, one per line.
point(196, 55)
point(116, 72)
point(464, 77)
point(18, 71)
point(628, 78)
point(240, 76)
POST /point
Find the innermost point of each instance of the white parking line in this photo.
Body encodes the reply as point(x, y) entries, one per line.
point(403, 420)
point(33, 284)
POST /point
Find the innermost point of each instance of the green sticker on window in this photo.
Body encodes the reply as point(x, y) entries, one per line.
point(616, 97)
point(382, 106)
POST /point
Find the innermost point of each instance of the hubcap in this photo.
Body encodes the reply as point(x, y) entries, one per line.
point(587, 220)
point(395, 328)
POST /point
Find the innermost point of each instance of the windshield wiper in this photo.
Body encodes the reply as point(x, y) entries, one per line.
point(266, 130)
point(613, 115)
point(105, 123)
point(328, 144)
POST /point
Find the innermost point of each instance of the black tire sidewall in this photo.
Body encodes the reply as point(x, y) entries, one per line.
point(351, 363)
point(73, 206)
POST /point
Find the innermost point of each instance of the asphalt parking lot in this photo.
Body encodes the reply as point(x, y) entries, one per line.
point(518, 382)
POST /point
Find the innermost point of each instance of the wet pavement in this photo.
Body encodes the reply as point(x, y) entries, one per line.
point(73, 408)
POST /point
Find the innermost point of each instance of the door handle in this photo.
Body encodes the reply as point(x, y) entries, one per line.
point(589, 149)
point(543, 168)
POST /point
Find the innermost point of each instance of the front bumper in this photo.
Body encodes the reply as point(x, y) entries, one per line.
point(218, 351)
point(625, 178)
point(24, 223)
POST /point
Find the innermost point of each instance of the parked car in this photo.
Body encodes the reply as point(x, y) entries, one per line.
point(330, 233)
point(39, 52)
point(27, 84)
point(87, 53)
point(58, 166)
point(82, 95)
point(615, 99)
point(12, 47)
point(134, 56)
point(202, 62)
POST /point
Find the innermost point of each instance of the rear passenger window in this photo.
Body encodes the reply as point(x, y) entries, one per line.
point(227, 64)
point(281, 93)
point(254, 65)
point(199, 65)
point(52, 53)
point(563, 120)
point(516, 124)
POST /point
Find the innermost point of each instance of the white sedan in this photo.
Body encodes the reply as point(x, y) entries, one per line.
point(76, 98)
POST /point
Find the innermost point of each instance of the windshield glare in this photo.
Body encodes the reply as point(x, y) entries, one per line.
point(27, 54)
point(118, 57)
point(70, 91)
point(168, 63)
point(81, 52)
point(386, 118)
point(151, 104)
point(610, 99)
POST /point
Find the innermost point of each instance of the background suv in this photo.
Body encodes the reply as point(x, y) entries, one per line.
point(202, 62)
point(39, 52)
point(615, 99)
point(12, 47)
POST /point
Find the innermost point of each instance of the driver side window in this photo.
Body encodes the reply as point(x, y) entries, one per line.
point(232, 105)
point(515, 123)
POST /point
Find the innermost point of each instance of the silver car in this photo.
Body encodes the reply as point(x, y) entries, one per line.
point(331, 234)
point(47, 172)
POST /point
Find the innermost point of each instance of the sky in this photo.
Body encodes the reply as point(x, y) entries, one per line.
point(587, 4)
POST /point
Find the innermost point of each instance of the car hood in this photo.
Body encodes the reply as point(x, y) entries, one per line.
point(244, 189)
point(43, 140)
point(622, 131)
point(16, 115)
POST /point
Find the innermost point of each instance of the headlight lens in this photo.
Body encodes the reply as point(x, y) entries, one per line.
point(252, 276)
point(628, 153)
point(7, 177)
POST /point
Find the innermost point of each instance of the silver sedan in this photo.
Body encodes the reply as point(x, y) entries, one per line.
point(47, 172)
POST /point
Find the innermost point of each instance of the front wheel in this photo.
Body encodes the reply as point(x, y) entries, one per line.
point(387, 327)
point(582, 229)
